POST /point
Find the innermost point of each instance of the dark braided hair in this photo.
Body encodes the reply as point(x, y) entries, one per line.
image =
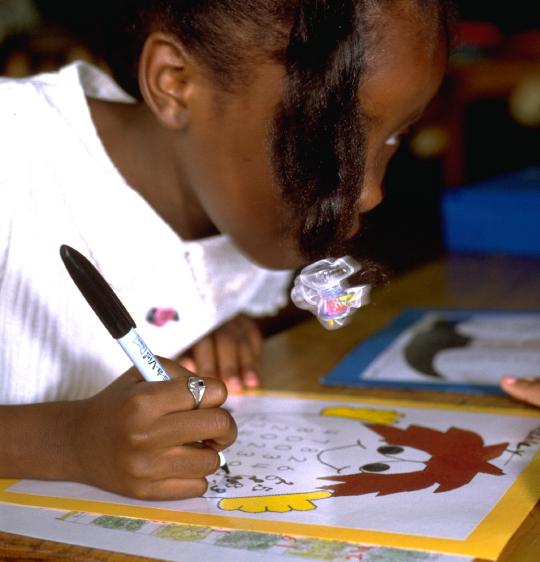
point(318, 134)
point(318, 141)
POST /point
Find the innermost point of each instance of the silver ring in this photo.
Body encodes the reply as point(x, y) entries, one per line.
point(197, 387)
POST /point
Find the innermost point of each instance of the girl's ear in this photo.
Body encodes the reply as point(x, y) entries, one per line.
point(166, 79)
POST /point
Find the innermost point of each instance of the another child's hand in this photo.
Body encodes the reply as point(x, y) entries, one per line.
point(142, 439)
point(232, 353)
point(527, 390)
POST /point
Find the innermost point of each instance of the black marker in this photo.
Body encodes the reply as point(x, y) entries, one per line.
point(112, 313)
point(115, 318)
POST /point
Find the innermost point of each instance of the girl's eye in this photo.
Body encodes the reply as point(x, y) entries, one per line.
point(393, 140)
point(396, 138)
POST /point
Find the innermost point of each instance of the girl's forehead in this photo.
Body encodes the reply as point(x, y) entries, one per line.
point(404, 70)
point(415, 25)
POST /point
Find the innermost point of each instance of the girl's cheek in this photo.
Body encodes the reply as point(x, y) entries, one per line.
point(377, 167)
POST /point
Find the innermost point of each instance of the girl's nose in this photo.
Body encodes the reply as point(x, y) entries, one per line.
point(371, 195)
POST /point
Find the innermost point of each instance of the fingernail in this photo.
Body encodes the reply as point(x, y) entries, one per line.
point(514, 380)
point(251, 379)
point(188, 364)
point(233, 385)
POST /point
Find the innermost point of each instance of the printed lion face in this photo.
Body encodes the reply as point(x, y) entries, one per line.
point(456, 457)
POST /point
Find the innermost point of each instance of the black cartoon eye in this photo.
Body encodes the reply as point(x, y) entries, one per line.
point(375, 467)
point(390, 450)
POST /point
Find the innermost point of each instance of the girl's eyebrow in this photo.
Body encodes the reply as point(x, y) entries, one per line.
point(372, 119)
point(414, 116)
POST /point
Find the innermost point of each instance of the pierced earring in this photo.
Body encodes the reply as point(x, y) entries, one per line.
point(393, 140)
point(181, 117)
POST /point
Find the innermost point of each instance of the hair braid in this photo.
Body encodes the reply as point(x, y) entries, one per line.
point(318, 133)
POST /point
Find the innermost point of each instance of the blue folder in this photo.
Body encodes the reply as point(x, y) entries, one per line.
point(351, 369)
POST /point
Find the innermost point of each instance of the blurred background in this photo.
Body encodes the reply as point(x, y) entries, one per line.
point(484, 124)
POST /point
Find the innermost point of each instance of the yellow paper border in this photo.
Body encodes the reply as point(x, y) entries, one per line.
point(486, 541)
point(410, 403)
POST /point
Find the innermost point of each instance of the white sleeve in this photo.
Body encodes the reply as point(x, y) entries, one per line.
point(271, 294)
point(9, 164)
point(231, 283)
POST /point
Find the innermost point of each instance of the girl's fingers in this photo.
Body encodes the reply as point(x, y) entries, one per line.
point(527, 390)
point(215, 426)
point(169, 489)
point(249, 365)
point(250, 352)
point(187, 363)
point(228, 361)
point(253, 336)
point(231, 353)
point(174, 396)
point(238, 351)
point(204, 357)
point(186, 461)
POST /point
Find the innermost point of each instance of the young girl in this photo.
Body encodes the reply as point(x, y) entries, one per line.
point(268, 121)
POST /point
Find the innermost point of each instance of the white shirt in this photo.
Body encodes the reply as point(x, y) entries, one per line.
point(58, 186)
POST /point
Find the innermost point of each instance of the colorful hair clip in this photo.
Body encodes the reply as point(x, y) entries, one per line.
point(324, 289)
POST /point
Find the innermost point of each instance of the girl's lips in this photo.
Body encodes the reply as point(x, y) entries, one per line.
point(355, 228)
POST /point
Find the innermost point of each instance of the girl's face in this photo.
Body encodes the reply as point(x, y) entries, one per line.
point(226, 158)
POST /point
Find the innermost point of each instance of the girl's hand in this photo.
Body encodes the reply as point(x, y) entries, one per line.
point(527, 390)
point(232, 353)
point(142, 439)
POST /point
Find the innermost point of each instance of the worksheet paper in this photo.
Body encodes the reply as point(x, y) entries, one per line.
point(450, 349)
point(174, 542)
point(439, 478)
